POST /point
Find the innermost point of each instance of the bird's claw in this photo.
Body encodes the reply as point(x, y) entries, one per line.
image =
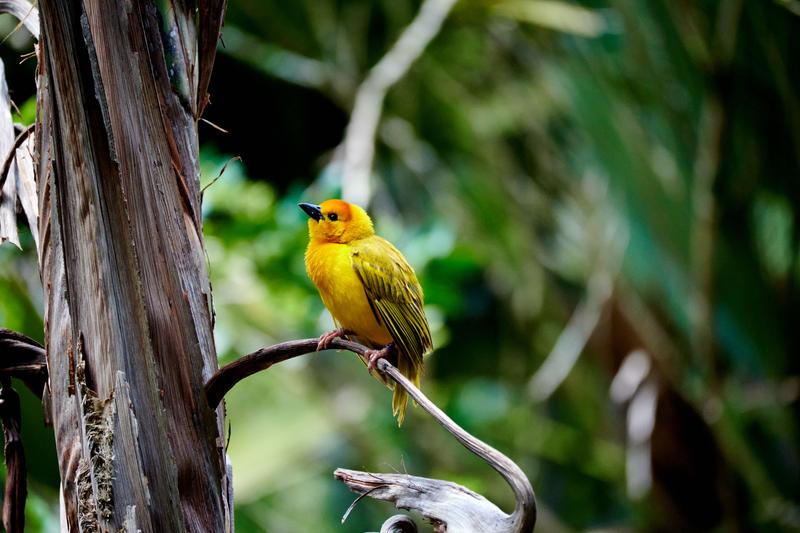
point(326, 339)
point(373, 356)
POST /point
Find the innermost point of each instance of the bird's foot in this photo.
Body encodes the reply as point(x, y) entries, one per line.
point(326, 339)
point(373, 356)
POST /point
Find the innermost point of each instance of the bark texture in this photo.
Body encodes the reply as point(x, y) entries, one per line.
point(128, 316)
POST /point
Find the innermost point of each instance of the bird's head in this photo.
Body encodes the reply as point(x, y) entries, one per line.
point(337, 221)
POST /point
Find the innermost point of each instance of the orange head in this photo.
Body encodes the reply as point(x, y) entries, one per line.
point(337, 221)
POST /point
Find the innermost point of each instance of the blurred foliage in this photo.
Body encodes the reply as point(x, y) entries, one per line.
point(533, 145)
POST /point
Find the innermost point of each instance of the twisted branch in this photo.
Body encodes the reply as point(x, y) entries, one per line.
point(399, 524)
point(447, 505)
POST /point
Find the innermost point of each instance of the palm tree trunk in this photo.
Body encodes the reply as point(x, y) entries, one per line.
point(128, 317)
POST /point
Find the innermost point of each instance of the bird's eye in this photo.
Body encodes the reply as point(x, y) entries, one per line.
point(333, 217)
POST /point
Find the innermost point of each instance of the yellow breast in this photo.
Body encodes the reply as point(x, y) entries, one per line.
point(329, 267)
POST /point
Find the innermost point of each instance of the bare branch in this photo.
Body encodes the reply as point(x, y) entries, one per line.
point(443, 503)
point(524, 516)
point(229, 375)
point(359, 141)
point(448, 504)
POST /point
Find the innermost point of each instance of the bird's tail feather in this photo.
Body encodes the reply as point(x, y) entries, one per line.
point(400, 396)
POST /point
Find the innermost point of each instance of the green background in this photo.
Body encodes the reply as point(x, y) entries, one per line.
point(535, 146)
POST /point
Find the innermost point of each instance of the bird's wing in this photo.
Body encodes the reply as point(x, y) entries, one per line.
point(394, 294)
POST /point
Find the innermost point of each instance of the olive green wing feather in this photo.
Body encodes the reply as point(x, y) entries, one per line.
point(394, 294)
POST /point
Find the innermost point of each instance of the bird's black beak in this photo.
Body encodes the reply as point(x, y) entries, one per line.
point(314, 211)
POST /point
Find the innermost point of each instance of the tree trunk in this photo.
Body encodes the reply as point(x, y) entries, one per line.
point(128, 317)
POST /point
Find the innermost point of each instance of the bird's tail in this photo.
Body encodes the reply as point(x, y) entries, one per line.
point(400, 397)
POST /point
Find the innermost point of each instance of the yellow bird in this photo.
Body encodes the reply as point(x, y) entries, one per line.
point(369, 288)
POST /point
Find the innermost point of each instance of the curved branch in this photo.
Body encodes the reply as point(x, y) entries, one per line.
point(229, 375)
point(399, 523)
point(434, 498)
point(524, 516)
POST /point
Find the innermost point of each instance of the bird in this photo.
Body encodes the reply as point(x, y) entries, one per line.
point(370, 290)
